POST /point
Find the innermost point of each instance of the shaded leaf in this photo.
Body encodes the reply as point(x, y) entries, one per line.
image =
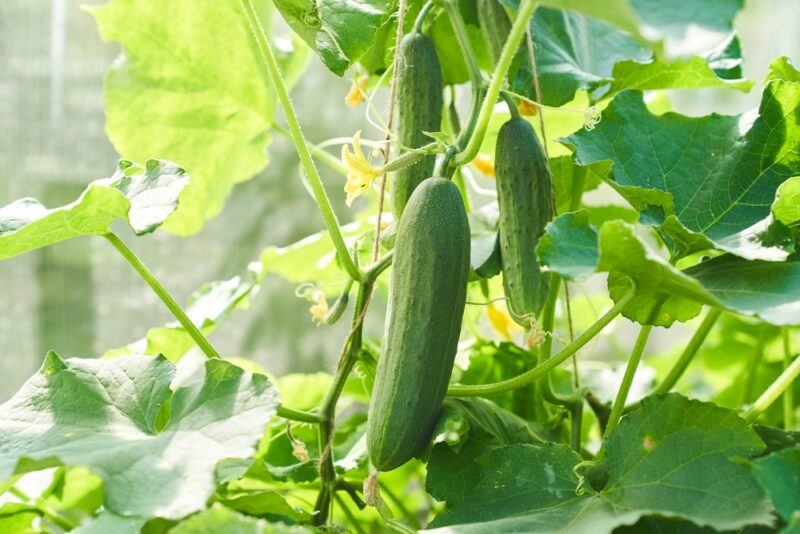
point(107, 415)
point(779, 475)
point(145, 197)
point(221, 520)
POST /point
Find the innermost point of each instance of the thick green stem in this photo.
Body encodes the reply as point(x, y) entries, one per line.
point(421, 16)
point(299, 141)
point(318, 152)
point(372, 272)
point(409, 157)
point(297, 415)
point(788, 395)
point(328, 409)
point(475, 77)
point(751, 372)
point(627, 379)
point(781, 384)
point(541, 370)
point(515, 36)
point(686, 357)
point(164, 295)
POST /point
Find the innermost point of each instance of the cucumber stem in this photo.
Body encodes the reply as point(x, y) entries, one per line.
point(421, 17)
point(475, 77)
point(685, 358)
point(542, 369)
point(780, 385)
point(274, 74)
point(788, 395)
point(512, 106)
point(524, 13)
point(296, 415)
point(164, 295)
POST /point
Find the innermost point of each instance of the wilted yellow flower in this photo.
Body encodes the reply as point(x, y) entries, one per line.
point(319, 310)
point(526, 109)
point(299, 450)
point(484, 164)
point(535, 335)
point(501, 322)
point(357, 92)
point(360, 172)
point(371, 490)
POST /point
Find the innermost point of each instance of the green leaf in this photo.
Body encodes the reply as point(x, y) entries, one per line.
point(145, 197)
point(108, 415)
point(312, 259)
point(781, 68)
point(770, 290)
point(186, 92)
point(694, 72)
point(786, 207)
point(672, 457)
point(106, 522)
point(656, 19)
point(221, 520)
point(575, 249)
point(779, 475)
point(75, 493)
point(777, 439)
point(572, 52)
point(339, 31)
point(484, 257)
point(716, 175)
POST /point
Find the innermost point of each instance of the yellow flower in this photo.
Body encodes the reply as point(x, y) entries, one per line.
point(526, 109)
point(360, 172)
point(356, 93)
point(484, 164)
point(319, 310)
point(500, 321)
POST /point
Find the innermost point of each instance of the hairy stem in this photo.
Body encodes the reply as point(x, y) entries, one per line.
point(327, 414)
point(788, 395)
point(541, 370)
point(317, 151)
point(274, 73)
point(515, 36)
point(164, 295)
point(627, 379)
point(297, 415)
point(781, 384)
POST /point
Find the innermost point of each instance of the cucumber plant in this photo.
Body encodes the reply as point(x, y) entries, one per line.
point(465, 416)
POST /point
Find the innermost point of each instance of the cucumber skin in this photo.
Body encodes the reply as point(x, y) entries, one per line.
point(495, 26)
point(419, 109)
point(427, 297)
point(524, 195)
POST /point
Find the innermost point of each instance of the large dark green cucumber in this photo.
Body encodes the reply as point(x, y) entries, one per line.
point(426, 304)
point(524, 194)
point(419, 109)
point(495, 26)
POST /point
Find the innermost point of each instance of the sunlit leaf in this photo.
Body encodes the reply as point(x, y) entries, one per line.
point(107, 415)
point(145, 197)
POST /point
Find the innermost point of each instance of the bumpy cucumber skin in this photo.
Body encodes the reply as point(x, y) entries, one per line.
point(524, 195)
point(426, 304)
point(495, 26)
point(419, 109)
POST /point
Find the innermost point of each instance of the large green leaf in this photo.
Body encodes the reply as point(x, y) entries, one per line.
point(340, 31)
point(154, 442)
point(719, 68)
point(770, 290)
point(672, 457)
point(786, 207)
point(656, 19)
point(221, 520)
point(707, 181)
point(576, 249)
point(576, 52)
point(145, 197)
point(188, 90)
point(779, 474)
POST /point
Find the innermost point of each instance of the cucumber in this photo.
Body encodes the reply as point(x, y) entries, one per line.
point(495, 26)
point(426, 304)
point(419, 103)
point(525, 197)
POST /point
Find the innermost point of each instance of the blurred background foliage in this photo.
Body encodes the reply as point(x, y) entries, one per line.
point(80, 298)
